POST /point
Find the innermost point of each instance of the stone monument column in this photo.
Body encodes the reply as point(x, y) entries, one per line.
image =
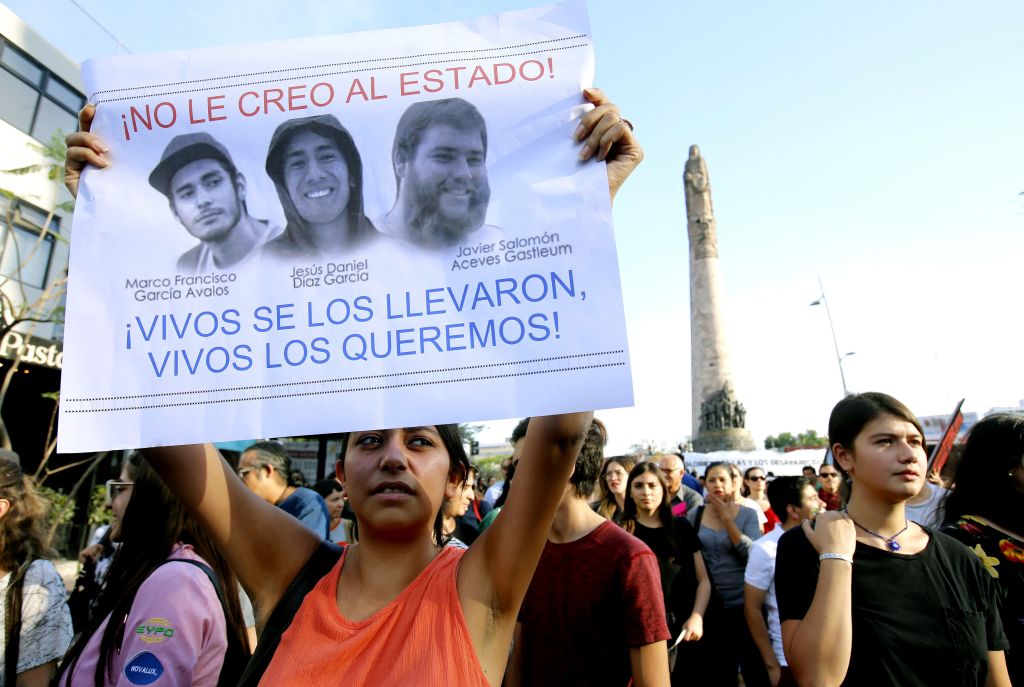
point(719, 419)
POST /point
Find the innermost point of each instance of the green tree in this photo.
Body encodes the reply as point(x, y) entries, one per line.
point(23, 309)
point(17, 308)
point(811, 439)
point(469, 431)
point(808, 439)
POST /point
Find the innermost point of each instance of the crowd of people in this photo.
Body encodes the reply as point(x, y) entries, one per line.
point(610, 584)
point(576, 569)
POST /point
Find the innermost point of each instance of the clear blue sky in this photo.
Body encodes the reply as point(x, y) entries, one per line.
point(876, 144)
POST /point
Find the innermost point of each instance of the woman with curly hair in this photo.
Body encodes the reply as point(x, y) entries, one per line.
point(36, 622)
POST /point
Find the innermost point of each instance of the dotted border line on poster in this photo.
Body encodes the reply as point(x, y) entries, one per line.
point(345, 391)
point(343, 379)
point(338, 64)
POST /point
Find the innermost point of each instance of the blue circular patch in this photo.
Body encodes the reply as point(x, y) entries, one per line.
point(143, 669)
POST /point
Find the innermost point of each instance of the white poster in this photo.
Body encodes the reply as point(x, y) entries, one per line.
point(377, 229)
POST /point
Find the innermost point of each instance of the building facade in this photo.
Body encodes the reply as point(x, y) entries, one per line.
point(40, 94)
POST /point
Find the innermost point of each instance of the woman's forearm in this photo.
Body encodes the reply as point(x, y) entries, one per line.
point(824, 663)
point(700, 603)
point(740, 541)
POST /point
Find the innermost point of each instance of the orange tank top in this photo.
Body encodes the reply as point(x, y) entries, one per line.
point(419, 638)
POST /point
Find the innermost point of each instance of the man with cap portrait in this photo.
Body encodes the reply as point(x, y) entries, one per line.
point(207, 195)
point(439, 157)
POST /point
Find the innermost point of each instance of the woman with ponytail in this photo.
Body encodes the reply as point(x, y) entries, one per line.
point(170, 607)
point(36, 623)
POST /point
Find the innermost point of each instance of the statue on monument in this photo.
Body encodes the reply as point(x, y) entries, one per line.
point(721, 410)
point(698, 188)
point(718, 418)
point(700, 216)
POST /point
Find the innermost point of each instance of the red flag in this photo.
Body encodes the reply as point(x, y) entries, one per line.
point(940, 454)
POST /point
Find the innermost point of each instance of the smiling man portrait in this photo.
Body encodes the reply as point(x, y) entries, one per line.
point(439, 157)
point(207, 195)
point(316, 167)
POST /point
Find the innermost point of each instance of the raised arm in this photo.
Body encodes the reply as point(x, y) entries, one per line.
point(813, 661)
point(264, 546)
point(505, 556)
point(496, 571)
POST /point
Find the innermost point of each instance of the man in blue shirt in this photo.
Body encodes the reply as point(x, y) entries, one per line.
point(264, 467)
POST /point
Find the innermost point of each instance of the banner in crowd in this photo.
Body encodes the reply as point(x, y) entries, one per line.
point(940, 454)
point(377, 229)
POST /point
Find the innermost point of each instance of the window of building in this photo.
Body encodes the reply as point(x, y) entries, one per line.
point(34, 99)
point(24, 256)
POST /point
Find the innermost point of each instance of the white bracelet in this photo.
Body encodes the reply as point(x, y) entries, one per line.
point(837, 556)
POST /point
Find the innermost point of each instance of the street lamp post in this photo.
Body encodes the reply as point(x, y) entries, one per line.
point(839, 358)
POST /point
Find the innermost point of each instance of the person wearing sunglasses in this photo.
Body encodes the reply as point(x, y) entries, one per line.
point(755, 484)
point(173, 592)
point(830, 483)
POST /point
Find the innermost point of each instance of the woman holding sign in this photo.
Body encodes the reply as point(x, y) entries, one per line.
point(397, 608)
point(896, 603)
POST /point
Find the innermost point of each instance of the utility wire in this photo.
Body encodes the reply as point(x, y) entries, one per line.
point(102, 27)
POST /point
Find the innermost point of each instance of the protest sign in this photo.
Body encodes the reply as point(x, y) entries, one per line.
point(371, 230)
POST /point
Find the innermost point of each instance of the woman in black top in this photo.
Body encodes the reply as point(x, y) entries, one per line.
point(647, 515)
point(866, 597)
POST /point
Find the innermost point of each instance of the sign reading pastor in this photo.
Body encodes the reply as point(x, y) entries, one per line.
point(371, 230)
point(31, 349)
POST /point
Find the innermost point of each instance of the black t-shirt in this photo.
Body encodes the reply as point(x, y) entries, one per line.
point(922, 619)
point(674, 548)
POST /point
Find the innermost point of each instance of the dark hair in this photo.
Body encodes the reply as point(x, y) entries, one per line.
point(418, 117)
point(506, 487)
point(297, 478)
point(849, 417)
point(273, 454)
point(146, 542)
point(808, 467)
point(233, 174)
point(606, 504)
point(520, 431)
point(326, 487)
point(786, 491)
point(330, 128)
point(588, 462)
point(744, 489)
point(982, 486)
point(458, 460)
point(629, 509)
point(719, 464)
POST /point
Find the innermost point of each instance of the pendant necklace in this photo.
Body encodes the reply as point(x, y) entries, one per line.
point(890, 542)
